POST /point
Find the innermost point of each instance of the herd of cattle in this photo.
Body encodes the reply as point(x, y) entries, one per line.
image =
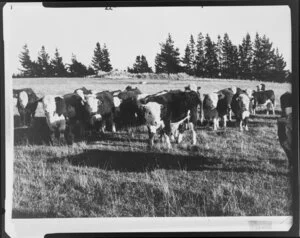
point(168, 112)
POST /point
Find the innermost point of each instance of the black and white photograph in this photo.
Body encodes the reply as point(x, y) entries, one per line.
point(149, 112)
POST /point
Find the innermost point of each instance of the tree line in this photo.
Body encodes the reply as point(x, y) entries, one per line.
point(46, 67)
point(202, 58)
point(205, 58)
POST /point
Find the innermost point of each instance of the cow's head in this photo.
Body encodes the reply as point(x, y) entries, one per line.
point(233, 89)
point(152, 112)
point(210, 101)
point(92, 103)
point(81, 94)
point(243, 102)
point(23, 99)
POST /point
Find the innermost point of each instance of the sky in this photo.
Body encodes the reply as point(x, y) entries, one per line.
point(128, 32)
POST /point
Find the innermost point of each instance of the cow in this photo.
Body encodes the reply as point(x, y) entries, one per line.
point(129, 114)
point(193, 87)
point(83, 91)
point(240, 106)
point(284, 125)
point(168, 111)
point(26, 104)
point(261, 87)
point(210, 112)
point(224, 103)
point(101, 111)
point(63, 114)
point(129, 92)
point(286, 104)
point(265, 99)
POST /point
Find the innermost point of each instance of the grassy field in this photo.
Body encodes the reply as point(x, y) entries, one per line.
point(228, 172)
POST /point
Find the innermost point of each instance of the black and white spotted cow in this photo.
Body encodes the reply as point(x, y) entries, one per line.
point(26, 104)
point(168, 111)
point(240, 106)
point(101, 109)
point(264, 99)
point(83, 91)
point(63, 115)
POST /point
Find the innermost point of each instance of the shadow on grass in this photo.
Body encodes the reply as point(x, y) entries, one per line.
point(37, 134)
point(141, 161)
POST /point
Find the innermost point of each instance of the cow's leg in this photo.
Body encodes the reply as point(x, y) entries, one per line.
point(230, 115)
point(194, 136)
point(241, 125)
point(215, 123)
point(113, 127)
point(70, 135)
point(273, 108)
point(225, 121)
point(22, 117)
point(151, 134)
point(52, 137)
point(167, 139)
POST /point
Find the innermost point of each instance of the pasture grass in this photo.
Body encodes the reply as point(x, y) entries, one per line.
point(227, 173)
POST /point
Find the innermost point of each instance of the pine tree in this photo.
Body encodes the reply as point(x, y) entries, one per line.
point(245, 57)
point(230, 62)
point(160, 66)
point(168, 61)
point(219, 52)
point(234, 62)
point(211, 64)
point(192, 47)
point(262, 57)
point(43, 65)
point(77, 69)
point(140, 65)
point(144, 65)
point(187, 61)
point(26, 63)
point(278, 64)
point(106, 67)
point(199, 57)
point(57, 66)
point(226, 48)
point(97, 61)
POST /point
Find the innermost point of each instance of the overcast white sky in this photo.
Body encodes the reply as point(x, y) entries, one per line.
point(129, 32)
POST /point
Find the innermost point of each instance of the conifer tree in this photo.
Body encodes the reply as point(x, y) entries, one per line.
point(140, 65)
point(245, 57)
point(230, 62)
point(168, 61)
point(144, 65)
point(278, 64)
point(219, 55)
point(77, 69)
point(199, 57)
point(26, 63)
point(43, 64)
point(262, 57)
point(187, 61)
point(57, 66)
point(211, 64)
point(106, 66)
point(97, 61)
